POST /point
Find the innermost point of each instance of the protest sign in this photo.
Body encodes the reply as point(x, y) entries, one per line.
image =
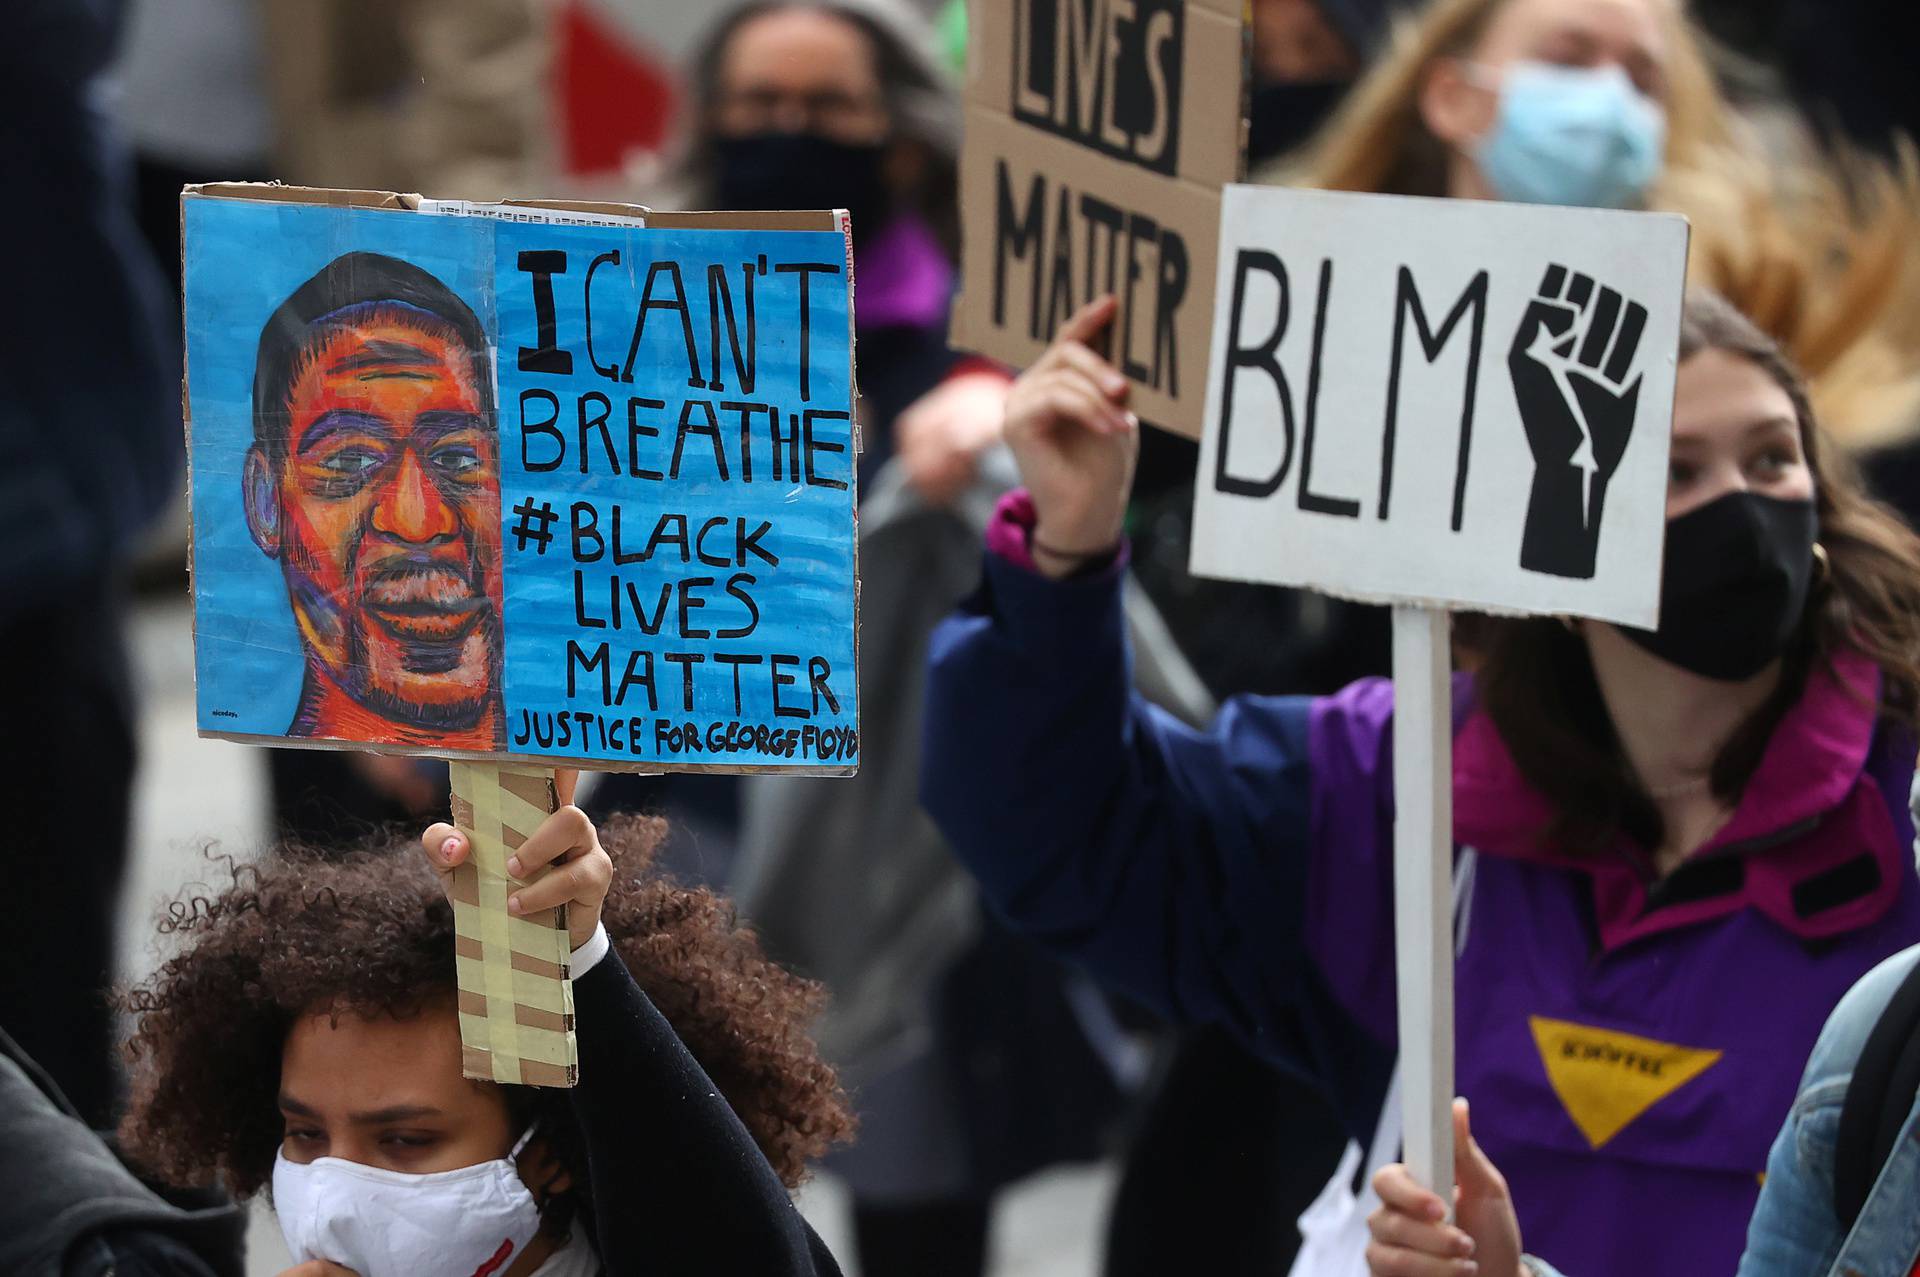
point(523, 484)
point(515, 486)
point(1098, 136)
point(1439, 403)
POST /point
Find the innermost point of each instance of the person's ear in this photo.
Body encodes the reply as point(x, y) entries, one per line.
point(261, 496)
point(542, 1171)
point(1454, 108)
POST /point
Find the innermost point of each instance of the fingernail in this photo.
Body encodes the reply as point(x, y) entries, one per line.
point(1466, 1244)
point(513, 904)
point(513, 865)
point(449, 848)
point(1466, 1267)
point(1133, 421)
point(1436, 1212)
point(1114, 385)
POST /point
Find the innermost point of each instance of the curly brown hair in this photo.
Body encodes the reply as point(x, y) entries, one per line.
point(370, 932)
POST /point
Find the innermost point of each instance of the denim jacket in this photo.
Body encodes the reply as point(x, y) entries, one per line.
point(1795, 1232)
point(1794, 1227)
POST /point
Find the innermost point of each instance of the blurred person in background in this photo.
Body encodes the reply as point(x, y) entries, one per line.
point(90, 451)
point(969, 1062)
point(833, 106)
point(1227, 1152)
point(1613, 103)
point(190, 96)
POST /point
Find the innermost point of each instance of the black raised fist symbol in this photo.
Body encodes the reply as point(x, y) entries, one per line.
point(1572, 363)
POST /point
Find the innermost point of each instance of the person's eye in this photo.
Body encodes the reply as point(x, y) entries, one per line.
point(414, 1140)
point(299, 1135)
point(1681, 473)
point(458, 460)
point(1774, 462)
point(350, 463)
point(1564, 51)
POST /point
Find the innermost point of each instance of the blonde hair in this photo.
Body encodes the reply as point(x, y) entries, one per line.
point(1822, 254)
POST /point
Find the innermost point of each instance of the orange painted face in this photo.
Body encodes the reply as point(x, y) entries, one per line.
point(389, 500)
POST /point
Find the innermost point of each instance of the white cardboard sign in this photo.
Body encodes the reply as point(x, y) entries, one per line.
point(1447, 402)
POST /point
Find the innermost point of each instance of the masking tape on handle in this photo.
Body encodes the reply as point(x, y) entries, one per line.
point(516, 1000)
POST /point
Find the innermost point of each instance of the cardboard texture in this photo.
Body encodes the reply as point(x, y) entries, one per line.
point(1442, 402)
point(515, 987)
point(523, 482)
point(1098, 136)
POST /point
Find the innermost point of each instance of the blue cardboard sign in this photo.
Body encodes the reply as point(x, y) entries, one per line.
point(508, 488)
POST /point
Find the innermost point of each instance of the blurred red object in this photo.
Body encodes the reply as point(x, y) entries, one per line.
point(615, 95)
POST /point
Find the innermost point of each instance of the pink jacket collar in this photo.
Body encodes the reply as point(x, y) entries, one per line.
point(1810, 808)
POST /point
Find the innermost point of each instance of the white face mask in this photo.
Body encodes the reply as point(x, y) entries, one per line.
point(470, 1222)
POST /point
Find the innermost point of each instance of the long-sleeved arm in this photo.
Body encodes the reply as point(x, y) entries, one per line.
point(679, 1186)
point(1175, 864)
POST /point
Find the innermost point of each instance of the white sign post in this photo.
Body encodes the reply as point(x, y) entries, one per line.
point(1439, 404)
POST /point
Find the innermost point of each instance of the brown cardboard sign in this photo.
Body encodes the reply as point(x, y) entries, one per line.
point(1098, 136)
point(565, 485)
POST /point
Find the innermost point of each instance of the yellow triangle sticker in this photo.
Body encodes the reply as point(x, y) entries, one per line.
point(1606, 1079)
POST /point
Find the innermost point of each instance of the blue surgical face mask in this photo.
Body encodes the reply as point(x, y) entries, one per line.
point(1579, 136)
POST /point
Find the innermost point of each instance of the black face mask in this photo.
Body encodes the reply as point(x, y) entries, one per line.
point(802, 170)
point(1738, 570)
point(1281, 116)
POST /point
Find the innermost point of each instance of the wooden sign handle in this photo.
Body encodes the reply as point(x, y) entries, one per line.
point(1423, 889)
point(516, 1000)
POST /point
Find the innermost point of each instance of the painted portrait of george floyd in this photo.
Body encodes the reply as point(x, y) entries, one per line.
point(346, 477)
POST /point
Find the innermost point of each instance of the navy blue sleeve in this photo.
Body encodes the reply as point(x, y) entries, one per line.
point(679, 1187)
point(1171, 863)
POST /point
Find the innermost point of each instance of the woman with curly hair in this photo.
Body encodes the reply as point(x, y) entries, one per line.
point(306, 1040)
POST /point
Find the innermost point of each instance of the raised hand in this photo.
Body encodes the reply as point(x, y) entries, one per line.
point(940, 435)
point(1574, 378)
point(1075, 442)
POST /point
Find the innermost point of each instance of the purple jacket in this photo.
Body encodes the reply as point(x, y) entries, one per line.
point(1630, 1050)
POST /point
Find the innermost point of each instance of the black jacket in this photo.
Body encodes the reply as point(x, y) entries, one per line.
point(679, 1188)
point(68, 1208)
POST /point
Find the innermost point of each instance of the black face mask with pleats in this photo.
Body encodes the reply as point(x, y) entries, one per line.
point(1281, 116)
point(802, 170)
point(1737, 574)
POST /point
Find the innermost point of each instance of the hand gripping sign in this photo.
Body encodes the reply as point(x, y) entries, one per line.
point(521, 487)
point(1438, 404)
